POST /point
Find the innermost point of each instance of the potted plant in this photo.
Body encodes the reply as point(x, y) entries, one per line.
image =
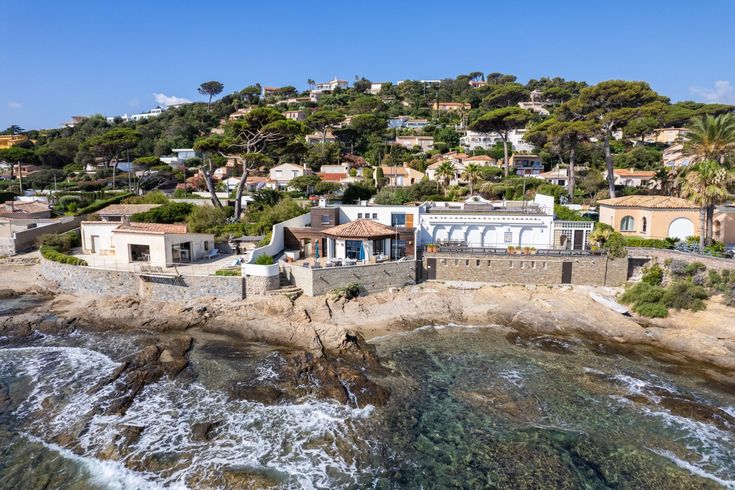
point(526, 250)
point(432, 248)
point(511, 249)
point(533, 250)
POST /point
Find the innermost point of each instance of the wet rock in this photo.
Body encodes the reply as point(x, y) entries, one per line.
point(252, 478)
point(200, 431)
point(7, 293)
point(267, 395)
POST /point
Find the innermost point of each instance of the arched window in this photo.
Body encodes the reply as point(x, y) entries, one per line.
point(644, 225)
point(627, 224)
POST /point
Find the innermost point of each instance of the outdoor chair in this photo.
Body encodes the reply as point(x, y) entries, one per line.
point(212, 254)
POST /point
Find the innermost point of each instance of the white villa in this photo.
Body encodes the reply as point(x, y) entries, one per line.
point(372, 233)
point(284, 173)
point(160, 245)
point(474, 139)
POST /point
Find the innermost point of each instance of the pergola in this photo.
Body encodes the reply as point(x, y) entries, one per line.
point(370, 235)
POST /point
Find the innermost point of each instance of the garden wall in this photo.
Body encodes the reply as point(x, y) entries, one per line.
point(371, 277)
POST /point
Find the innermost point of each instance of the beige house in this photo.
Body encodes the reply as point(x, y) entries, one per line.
point(426, 143)
point(297, 115)
point(401, 176)
point(674, 157)
point(634, 178)
point(723, 224)
point(666, 135)
point(451, 106)
point(160, 245)
point(651, 216)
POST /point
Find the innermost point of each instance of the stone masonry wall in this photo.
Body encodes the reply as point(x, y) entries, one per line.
point(661, 255)
point(372, 277)
point(86, 280)
point(591, 270)
point(255, 285)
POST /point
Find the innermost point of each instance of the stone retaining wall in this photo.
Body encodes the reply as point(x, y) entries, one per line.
point(661, 255)
point(595, 270)
point(74, 278)
point(372, 277)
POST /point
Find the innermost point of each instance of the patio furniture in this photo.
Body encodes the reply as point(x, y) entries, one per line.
point(212, 254)
point(381, 258)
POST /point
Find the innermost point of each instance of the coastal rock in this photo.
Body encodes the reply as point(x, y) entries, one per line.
point(200, 431)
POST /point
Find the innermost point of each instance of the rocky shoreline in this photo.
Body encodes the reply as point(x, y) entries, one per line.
point(331, 336)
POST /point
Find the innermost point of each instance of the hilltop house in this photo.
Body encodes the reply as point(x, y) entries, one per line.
point(330, 86)
point(634, 178)
point(666, 136)
point(319, 137)
point(426, 143)
point(535, 104)
point(473, 139)
point(674, 157)
point(558, 176)
point(284, 173)
point(296, 115)
point(10, 140)
point(401, 176)
point(451, 106)
point(526, 164)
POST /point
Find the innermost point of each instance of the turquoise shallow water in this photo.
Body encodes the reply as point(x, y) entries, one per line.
point(488, 409)
point(470, 408)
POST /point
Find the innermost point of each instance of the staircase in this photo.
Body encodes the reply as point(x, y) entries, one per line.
point(286, 288)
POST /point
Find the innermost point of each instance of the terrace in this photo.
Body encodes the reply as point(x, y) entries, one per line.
point(203, 267)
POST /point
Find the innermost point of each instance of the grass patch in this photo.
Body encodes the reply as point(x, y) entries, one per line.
point(228, 272)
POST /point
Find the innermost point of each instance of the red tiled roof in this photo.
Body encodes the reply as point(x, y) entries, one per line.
point(659, 202)
point(125, 209)
point(361, 228)
point(624, 172)
point(152, 228)
point(332, 177)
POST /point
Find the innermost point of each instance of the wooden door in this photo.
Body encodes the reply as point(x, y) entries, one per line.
point(430, 269)
point(409, 220)
point(566, 272)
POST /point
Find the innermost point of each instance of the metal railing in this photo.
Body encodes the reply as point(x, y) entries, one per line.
point(530, 249)
point(198, 268)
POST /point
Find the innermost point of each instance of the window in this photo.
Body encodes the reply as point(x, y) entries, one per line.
point(397, 219)
point(627, 224)
point(398, 249)
point(644, 225)
point(379, 247)
point(508, 236)
point(352, 249)
point(278, 173)
point(325, 219)
point(206, 246)
point(375, 215)
point(359, 215)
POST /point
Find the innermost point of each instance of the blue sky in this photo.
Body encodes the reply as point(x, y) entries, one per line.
point(85, 57)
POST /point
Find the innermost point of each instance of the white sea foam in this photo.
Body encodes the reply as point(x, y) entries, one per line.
point(694, 469)
point(304, 442)
point(110, 475)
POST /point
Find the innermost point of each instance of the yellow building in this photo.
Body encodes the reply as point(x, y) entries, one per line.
point(8, 140)
point(651, 216)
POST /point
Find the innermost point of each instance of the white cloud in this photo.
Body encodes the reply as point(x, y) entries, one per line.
point(722, 93)
point(15, 105)
point(167, 100)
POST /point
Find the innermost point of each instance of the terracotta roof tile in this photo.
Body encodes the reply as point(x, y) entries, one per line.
point(152, 228)
point(361, 228)
point(332, 177)
point(125, 209)
point(624, 172)
point(659, 202)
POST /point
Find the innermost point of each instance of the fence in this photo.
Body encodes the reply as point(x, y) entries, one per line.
point(529, 249)
point(177, 268)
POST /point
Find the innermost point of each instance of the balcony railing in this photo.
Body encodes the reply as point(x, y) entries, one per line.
point(530, 249)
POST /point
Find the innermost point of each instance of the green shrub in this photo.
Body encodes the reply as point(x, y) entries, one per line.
point(171, 212)
point(685, 295)
point(652, 310)
point(51, 253)
point(61, 242)
point(153, 197)
point(653, 275)
point(633, 241)
point(264, 260)
point(693, 268)
point(615, 245)
point(228, 272)
point(348, 292)
point(102, 203)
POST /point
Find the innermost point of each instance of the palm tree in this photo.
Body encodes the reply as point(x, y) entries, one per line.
point(705, 185)
point(446, 173)
point(711, 138)
point(472, 173)
point(310, 82)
